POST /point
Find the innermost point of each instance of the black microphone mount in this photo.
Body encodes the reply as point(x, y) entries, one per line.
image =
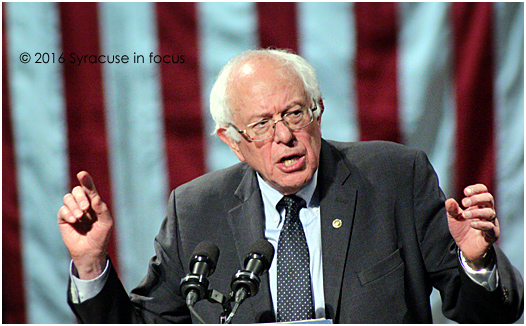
point(245, 283)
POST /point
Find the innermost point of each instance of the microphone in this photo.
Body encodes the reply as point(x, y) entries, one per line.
point(245, 283)
point(194, 286)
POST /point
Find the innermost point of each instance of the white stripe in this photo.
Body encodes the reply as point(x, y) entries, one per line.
point(327, 41)
point(136, 134)
point(425, 84)
point(509, 100)
point(225, 30)
point(39, 132)
point(426, 95)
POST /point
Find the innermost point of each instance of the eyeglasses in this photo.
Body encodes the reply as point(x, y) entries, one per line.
point(295, 119)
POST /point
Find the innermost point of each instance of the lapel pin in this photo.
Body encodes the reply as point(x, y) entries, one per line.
point(337, 223)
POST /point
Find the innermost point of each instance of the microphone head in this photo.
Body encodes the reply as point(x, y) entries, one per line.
point(205, 251)
point(257, 262)
point(264, 250)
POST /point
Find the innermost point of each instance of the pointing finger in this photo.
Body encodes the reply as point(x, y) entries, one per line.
point(87, 183)
point(98, 206)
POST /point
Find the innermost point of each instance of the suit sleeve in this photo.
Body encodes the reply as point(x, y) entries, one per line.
point(462, 299)
point(110, 305)
point(157, 298)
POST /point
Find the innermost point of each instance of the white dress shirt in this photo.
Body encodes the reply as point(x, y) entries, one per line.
point(310, 219)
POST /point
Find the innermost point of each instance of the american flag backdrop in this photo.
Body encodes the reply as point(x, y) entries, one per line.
point(447, 78)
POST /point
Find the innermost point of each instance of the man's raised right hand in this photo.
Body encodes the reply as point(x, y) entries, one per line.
point(85, 224)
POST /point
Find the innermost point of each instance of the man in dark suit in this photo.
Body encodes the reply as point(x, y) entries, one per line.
point(377, 227)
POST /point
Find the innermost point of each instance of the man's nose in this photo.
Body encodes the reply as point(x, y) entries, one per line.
point(282, 133)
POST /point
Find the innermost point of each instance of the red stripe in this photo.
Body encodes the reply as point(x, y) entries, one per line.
point(473, 64)
point(13, 299)
point(178, 35)
point(277, 25)
point(376, 71)
point(88, 148)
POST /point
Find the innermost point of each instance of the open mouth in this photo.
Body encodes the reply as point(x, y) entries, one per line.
point(288, 161)
point(292, 162)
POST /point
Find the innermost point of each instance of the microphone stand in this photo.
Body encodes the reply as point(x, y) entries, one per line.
point(226, 302)
point(214, 296)
point(244, 284)
point(240, 295)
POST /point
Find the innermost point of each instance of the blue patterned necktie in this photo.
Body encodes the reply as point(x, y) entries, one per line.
point(294, 281)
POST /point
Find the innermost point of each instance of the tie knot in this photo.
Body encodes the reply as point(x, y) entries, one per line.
point(292, 204)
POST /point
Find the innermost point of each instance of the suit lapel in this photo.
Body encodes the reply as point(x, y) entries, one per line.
point(247, 219)
point(337, 205)
point(247, 222)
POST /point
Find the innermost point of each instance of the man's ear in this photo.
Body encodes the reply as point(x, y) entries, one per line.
point(321, 107)
point(227, 139)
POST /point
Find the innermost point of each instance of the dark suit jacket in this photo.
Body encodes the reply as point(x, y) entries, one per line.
point(379, 266)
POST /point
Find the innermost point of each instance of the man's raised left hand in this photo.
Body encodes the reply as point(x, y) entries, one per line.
point(474, 228)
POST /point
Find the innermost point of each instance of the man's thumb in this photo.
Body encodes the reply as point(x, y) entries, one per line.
point(453, 208)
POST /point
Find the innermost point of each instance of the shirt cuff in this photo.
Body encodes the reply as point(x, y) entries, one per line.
point(486, 277)
point(82, 290)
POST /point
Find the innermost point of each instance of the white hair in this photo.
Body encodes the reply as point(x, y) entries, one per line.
point(219, 101)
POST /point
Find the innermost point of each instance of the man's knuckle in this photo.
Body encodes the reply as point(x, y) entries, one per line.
point(62, 212)
point(67, 197)
point(77, 190)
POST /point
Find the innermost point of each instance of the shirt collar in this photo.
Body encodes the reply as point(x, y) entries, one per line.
point(274, 196)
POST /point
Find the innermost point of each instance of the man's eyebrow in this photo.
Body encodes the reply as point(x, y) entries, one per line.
point(292, 105)
point(260, 116)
